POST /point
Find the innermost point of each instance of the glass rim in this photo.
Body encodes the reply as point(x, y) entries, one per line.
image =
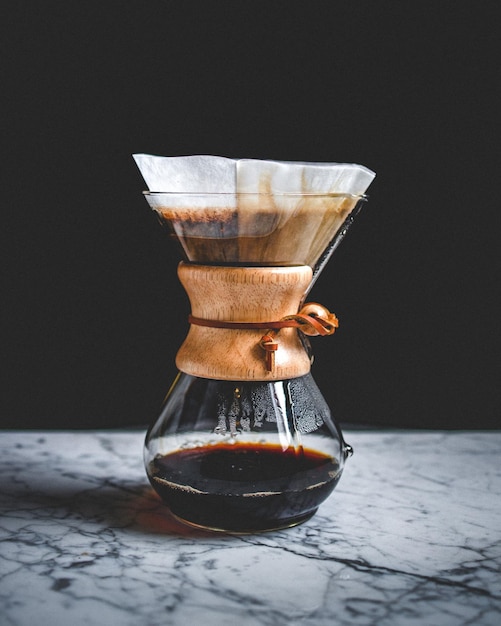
point(281, 194)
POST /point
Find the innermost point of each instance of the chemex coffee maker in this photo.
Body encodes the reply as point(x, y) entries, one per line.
point(245, 441)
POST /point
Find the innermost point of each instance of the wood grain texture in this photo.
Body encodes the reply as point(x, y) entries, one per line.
point(242, 294)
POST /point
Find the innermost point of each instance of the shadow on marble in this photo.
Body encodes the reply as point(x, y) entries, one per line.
point(133, 507)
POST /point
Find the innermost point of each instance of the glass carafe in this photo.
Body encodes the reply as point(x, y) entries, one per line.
point(245, 441)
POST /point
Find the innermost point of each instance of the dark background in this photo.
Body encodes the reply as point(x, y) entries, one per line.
point(93, 312)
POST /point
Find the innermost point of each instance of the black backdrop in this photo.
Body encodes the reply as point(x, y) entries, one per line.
point(93, 313)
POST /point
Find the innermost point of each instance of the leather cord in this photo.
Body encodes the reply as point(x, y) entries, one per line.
point(313, 319)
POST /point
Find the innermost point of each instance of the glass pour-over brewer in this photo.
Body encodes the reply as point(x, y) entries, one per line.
point(245, 440)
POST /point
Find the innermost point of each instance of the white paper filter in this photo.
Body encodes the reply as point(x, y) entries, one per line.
point(211, 174)
point(194, 174)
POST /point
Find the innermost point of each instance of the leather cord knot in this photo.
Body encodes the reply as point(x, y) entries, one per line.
point(270, 346)
point(313, 319)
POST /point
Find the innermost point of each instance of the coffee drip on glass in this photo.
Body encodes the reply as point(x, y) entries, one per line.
point(245, 441)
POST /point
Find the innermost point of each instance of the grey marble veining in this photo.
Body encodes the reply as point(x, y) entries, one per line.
point(411, 536)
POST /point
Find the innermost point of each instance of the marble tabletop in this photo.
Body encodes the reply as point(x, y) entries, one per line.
point(411, 536)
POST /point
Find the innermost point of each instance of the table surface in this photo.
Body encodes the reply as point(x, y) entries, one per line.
point(410, 536)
